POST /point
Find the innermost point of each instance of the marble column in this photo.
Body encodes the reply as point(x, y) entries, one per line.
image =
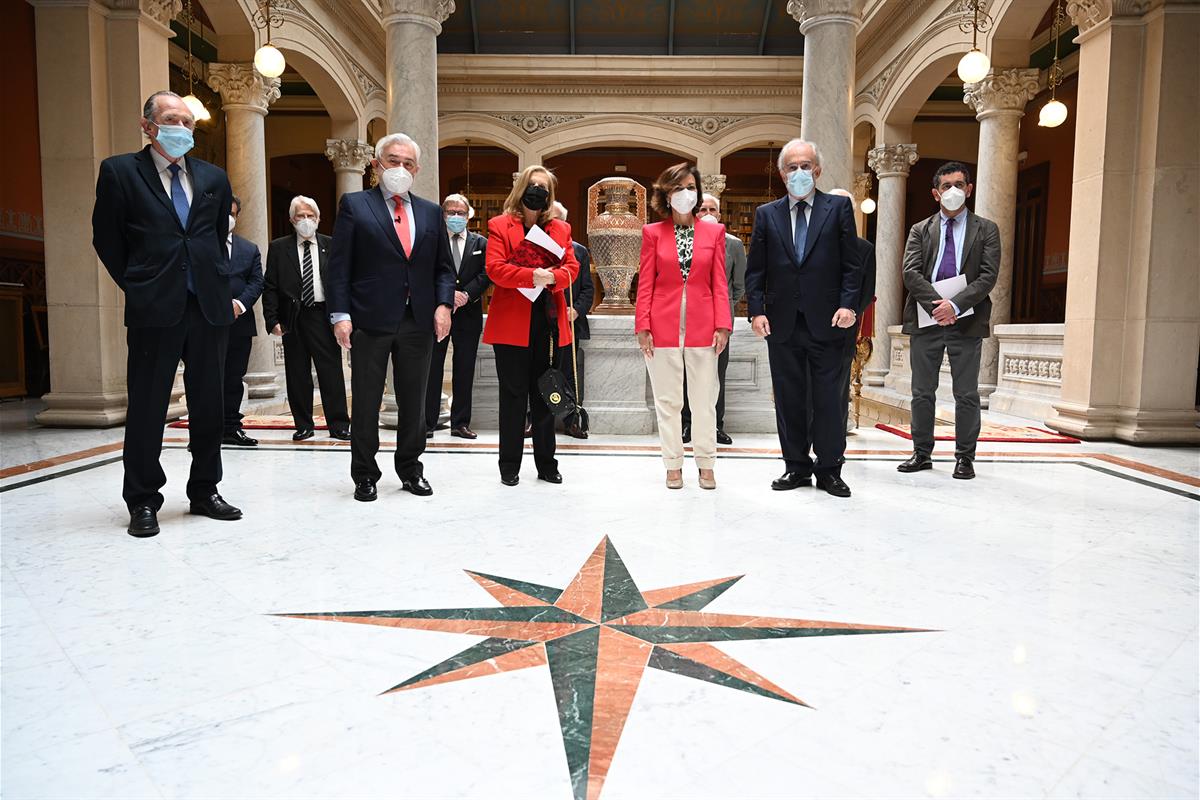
point(830, 28)
point(999, 101)
point(713, 184)
point(1132, 327)
point(891, 163)
point(245, 96)
point(350, 158)
point(97, 64)
point(412, 28)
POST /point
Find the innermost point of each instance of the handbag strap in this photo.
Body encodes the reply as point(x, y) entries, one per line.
point(574, 362)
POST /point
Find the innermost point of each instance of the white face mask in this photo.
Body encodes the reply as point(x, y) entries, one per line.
point(306, 227)
point(953, 198)
point(232, 222)
point(683, 201)
point(710, 218)
point(397, 180)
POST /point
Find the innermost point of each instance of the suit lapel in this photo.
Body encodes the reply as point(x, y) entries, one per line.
point(932, 235)
point(154, 183)
point(783, 221)
point(816, 220)
point(419, 223)
point(383, 214)
point(972, 230)
point(323, 249)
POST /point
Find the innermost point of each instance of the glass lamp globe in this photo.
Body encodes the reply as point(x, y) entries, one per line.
point(973, 66)
point(867, 206)
point(199, 112)
point(1052, 114)
point(269, 61)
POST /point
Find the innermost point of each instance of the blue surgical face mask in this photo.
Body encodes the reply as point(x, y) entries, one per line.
point(456, 224)
point(176, 140)
point(800, 183)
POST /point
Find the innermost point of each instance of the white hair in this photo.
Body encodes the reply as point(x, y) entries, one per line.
point(713, 197)
point(561, 210)
point(458, 198)
point(397, 138)
point(798, 143)
point(299, 200)
point(844, 193)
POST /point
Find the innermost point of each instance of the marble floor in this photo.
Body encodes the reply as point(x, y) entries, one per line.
point(1030, 634)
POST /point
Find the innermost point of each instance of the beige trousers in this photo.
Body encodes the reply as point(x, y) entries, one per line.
point(666, 370)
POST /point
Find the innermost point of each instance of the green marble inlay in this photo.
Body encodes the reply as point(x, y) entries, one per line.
point(500, 614)
point(621, 594)
point(673, 662)
point(657, 635)
point(485, 650)
point(572, 660)
point(698, 600)
point(547, 594)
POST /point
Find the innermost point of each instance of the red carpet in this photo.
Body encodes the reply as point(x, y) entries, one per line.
point(253, 423)
point(990, 433)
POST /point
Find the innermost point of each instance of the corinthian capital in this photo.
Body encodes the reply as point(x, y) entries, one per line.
point(427, 12)
point(812, 12)
point(241, 85)
point(713, 184)
point(348, 154)
point(1002, 92)
point(892, 160)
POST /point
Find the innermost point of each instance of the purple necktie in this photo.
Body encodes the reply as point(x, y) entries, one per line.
point(948, 268)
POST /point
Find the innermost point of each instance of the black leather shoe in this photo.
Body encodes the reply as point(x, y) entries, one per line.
point(550, 477)
point(510, 480)
point(723, 437)
point(463, 432)
point(687, 433)
point(239, 438)
point(301, 434)
point(574, 431)
point(790, 480)
point(143, 522)
point(214, 506)
point(429, 433)
point(441, 426)
point(964, 470)
point(418, 486)
point(340, 434)
point(834, 485)
point(915, 463)
point(364, 490)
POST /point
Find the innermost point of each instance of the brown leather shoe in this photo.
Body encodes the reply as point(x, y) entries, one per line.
point(463, 432)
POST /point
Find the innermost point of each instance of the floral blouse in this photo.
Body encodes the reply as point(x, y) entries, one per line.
point(685, 236)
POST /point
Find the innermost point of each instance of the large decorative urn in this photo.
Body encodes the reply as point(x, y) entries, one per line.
point(615, 236)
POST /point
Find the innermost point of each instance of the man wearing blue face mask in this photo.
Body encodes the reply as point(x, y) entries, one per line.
point(160, 226)
point(803, 279)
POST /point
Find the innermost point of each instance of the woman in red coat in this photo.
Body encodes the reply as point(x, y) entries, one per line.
point(524, 333)
point(682, 319)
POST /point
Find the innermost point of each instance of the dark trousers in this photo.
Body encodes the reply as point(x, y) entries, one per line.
point(237, 359)
point(409, 348)
point(518, 369)
point(926, 349)
point(722, 365)
point(804, 370)
point(310, 343)
point(464, 333)
point(154, 355)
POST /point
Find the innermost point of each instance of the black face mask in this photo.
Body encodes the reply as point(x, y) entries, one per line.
point(535, 198)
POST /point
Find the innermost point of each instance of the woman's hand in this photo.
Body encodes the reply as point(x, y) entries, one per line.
point(720, 339)
point(543, 277)
point(646, 343)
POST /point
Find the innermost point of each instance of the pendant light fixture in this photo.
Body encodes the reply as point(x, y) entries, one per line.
point(194, 104)
point(974, 65)
point(267, 59)
point(1054, 113)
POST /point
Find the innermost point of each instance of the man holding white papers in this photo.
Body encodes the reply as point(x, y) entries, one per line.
point(951, 262)
point(531, 263)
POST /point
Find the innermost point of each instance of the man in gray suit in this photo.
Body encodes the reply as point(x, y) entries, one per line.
point(952, 242)
point(735, 276)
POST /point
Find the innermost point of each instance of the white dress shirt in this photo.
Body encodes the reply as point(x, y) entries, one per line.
point(314, 251)
point(161, 163)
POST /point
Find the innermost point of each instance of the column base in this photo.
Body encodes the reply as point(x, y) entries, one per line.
point(1126, 425)
point(261, 385)
point(83, 409)
point(874, 377)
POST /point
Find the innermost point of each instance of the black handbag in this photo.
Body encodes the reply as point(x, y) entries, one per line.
point(552, 385)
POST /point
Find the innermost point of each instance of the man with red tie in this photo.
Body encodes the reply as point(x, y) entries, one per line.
point(390, 294)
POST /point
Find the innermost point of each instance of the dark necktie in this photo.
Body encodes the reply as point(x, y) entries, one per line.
point(457, 249)
point(307, 294)
point(801, 229)
point(949, 264)
point(182, 207)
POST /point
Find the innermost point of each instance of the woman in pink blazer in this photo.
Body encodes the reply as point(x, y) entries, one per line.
point(682, 319)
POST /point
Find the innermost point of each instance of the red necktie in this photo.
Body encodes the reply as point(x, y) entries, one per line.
point(402, 225)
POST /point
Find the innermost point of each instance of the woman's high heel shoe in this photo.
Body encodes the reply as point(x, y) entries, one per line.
point(674, 479)
point(707, 479)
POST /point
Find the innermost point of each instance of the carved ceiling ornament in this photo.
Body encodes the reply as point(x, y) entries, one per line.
point(705, 124)
point(241, 84)
point(1003, 91)
point(532, 123)
point(368, 85)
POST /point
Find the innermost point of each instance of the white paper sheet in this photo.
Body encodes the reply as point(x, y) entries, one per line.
point(532, 294)
point(948, 288)
point(542, 239)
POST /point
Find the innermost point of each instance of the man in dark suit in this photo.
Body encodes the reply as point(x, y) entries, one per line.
point(391, 292)
point(803, 279)
point(950, 243)
point(583, 292)
point(294, 307)
point(866, 253)
point(469, 251)
point(246, 284)
point(160, 226)
point(735, 278)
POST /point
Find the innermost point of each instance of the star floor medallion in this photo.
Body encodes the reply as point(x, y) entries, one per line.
point(598, 636)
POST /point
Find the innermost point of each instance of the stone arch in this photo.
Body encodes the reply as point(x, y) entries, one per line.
point(480, 129)
point(620, 130)
point(756, 132)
